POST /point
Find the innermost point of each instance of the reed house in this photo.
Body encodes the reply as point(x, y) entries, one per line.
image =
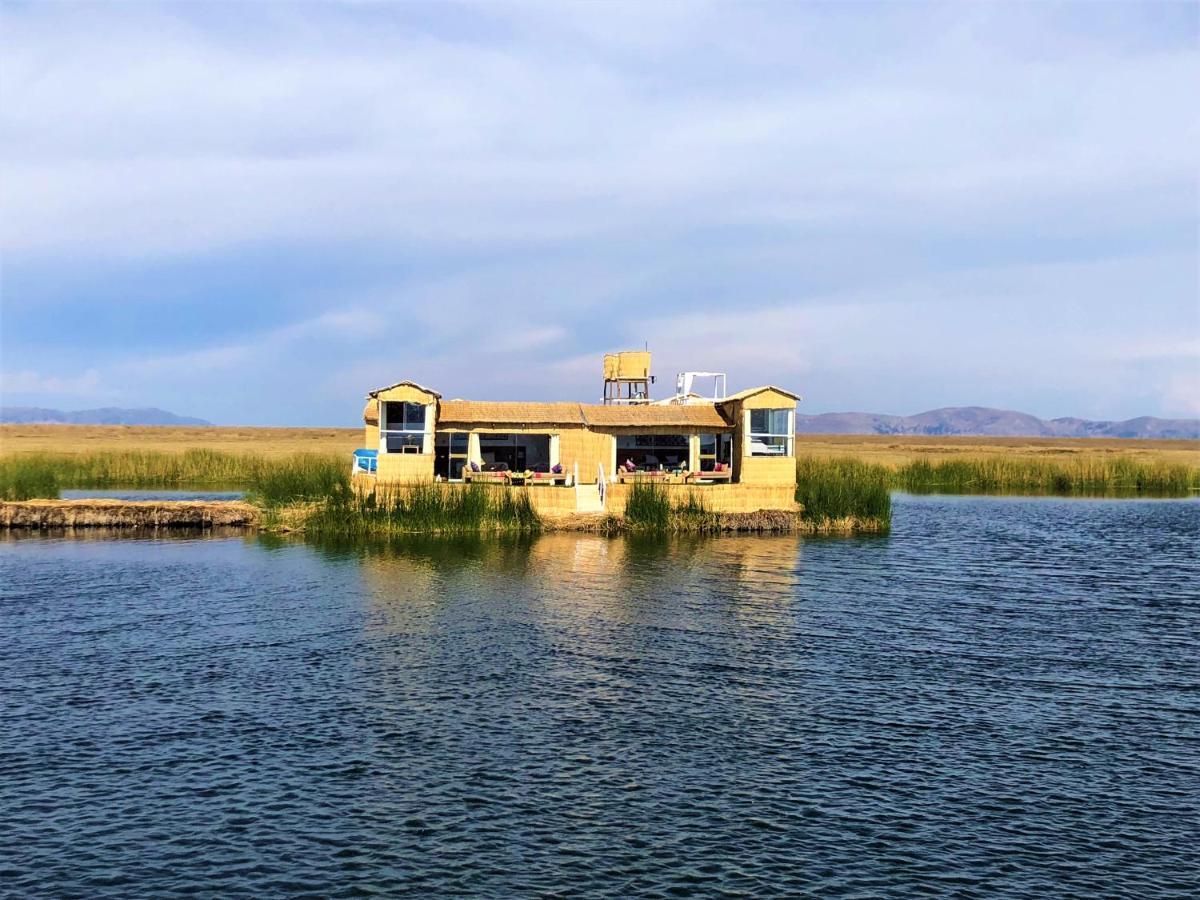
point(738, 450)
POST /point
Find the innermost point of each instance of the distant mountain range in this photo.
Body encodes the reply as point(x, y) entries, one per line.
point(962, 420)
point(980, 420)
point(109, 415)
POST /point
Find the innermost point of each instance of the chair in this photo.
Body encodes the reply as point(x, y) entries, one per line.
point(366, 461)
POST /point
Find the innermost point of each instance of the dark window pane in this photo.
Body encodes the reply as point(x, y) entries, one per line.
point(414, 415)
point(397, 442)
point(768, 446)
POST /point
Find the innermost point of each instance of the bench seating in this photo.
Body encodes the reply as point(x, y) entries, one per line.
point(654, 475)
point(487, 477)
point(722, 477)
point(547, 478)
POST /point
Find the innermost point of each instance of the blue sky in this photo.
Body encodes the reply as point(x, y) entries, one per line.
point(254, 213)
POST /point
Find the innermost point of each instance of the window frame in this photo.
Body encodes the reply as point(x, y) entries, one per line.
point(788, 437)
point(677, 444)
point(411, 434)
point(722, 451)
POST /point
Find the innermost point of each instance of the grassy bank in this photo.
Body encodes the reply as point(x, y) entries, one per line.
point(27, 479)
point(417, 509)
point(834, 490)
point(844, 495)
point(896, 450)
point(1114, 477)
point(650, 508)
point(269, 480)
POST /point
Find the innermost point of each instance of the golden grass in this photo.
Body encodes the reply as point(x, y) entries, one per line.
point(889, 450)
point(76, 439)
point(897, 450)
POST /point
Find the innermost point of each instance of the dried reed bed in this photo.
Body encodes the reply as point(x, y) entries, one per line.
point(39, 515)
point(896, 450)
point(25, 440)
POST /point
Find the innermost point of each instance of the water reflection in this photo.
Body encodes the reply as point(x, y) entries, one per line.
point(995, 693)
point(577, 576)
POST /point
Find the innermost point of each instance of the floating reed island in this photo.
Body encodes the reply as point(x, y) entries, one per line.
point(47, 515)
point(313, 493)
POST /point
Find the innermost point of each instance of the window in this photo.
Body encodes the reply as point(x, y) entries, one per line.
point(516, 452)
point(450, 454)
point(771, 432)
point(403, 427)
point(653, 451)
point(715, 448)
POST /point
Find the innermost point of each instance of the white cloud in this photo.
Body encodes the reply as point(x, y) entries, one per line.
point(28, 382)
point(137, 134)
point(875, 203)
point(1181, 394)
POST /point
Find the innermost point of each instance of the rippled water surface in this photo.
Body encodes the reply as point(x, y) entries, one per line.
point(135, 494)
point(999, 699)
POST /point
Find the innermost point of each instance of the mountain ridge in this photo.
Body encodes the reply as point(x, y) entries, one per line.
point(967, 421)
point(984, 421)
point(108, 415)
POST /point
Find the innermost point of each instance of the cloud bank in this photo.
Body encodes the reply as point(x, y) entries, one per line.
point(886, 207)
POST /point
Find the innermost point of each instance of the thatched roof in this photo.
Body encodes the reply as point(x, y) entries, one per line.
point(750, 392)
point(486, 412)
point(471, 413)
point(637, 415)
point(411, 384)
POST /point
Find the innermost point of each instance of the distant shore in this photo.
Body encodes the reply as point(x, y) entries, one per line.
point(272, 442)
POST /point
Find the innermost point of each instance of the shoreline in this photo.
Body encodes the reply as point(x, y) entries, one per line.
point(67, 515)
point(37, 515)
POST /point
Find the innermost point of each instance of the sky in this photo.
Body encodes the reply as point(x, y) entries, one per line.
point(256, 212)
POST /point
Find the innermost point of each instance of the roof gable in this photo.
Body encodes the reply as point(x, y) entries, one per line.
point(750, 392)
point(405, 384)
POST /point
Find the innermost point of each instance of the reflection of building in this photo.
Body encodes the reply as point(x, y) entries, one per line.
point(577, 579)
point(738, 451)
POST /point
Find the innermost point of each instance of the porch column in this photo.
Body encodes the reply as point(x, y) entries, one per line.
point(693, 453)
point(473, 454)
point(427, 441)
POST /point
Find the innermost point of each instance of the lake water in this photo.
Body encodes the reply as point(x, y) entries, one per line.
point(136, 494)
point(1001, 698)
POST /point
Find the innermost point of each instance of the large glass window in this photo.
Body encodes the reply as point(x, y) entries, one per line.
point(771, 432)
point(715, 448)
point(516, 452)
point(653, 451)
point(403, 428)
